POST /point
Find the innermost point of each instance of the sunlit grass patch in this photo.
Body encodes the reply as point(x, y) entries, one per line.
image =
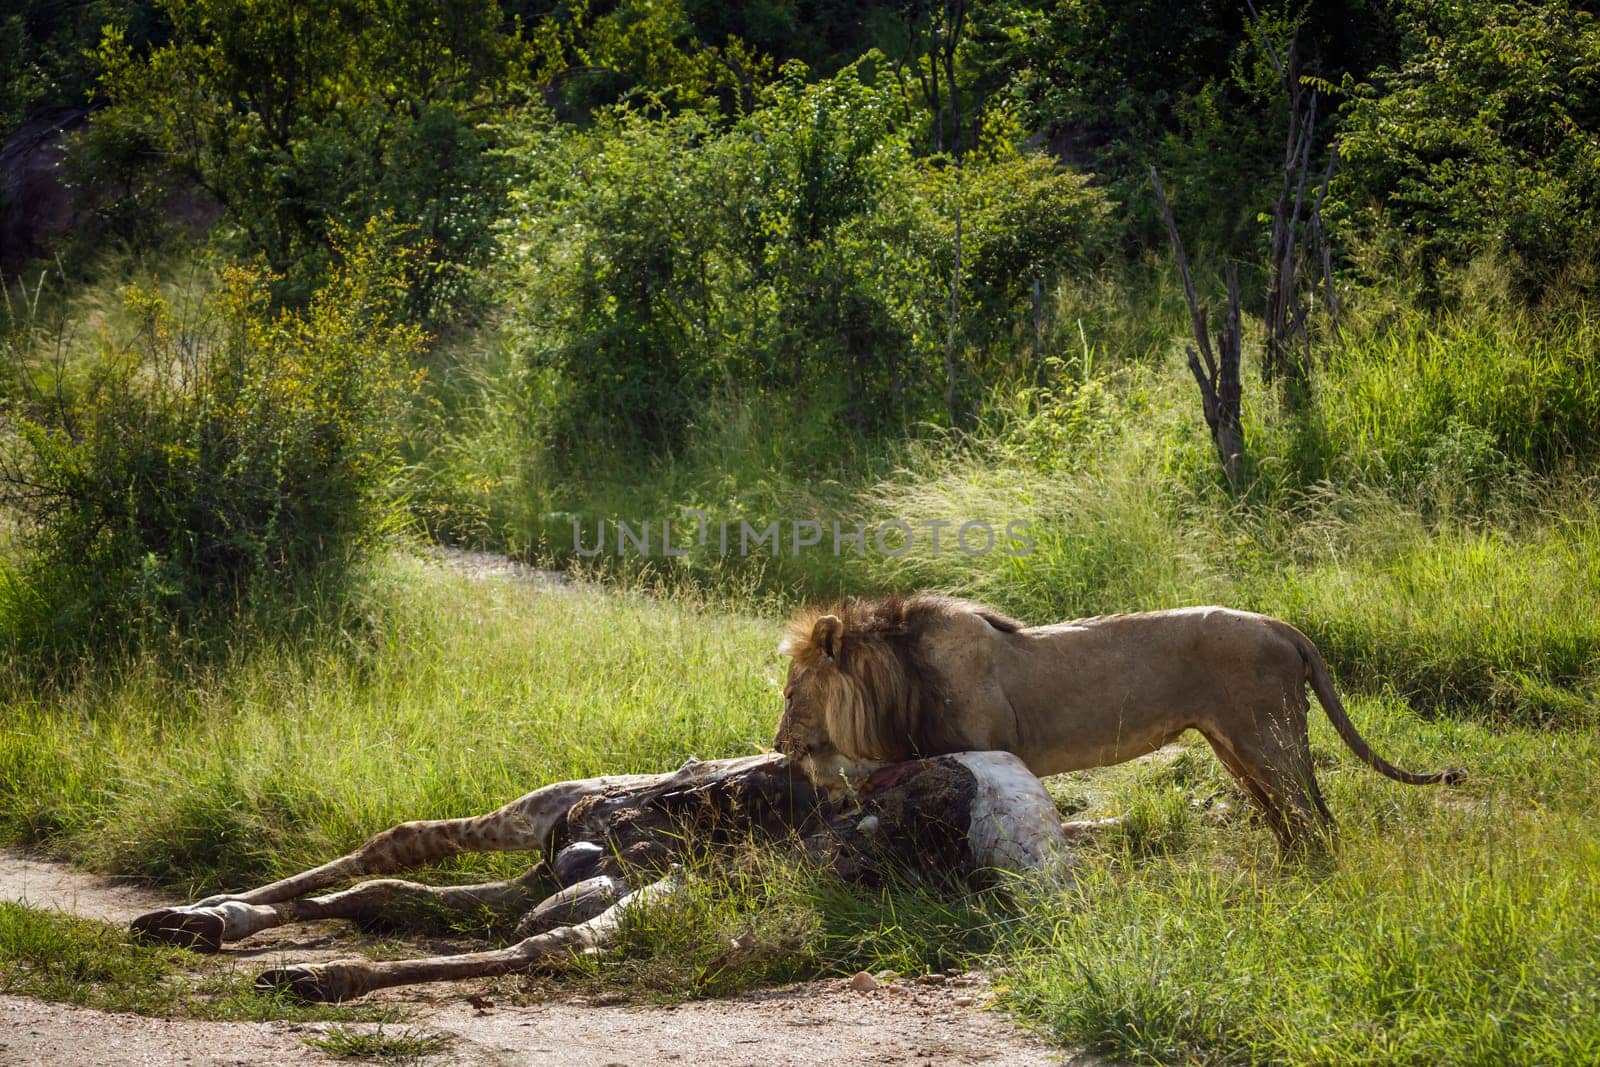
point(1452, 926)
point(473, 693)
point(59, 957)
point(64, 958)
point(404, 1046)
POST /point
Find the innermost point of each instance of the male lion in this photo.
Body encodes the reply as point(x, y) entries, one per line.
point(911, 676)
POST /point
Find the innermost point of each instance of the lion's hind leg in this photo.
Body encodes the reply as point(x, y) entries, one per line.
point(1253, 787)
point(1273, 762)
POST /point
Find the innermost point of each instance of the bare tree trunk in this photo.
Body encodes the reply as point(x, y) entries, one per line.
point(933, 80)
point(946, 20)
point(955, 304)
point(1038, 323)
point(955, 16)
point(1299, 243)
point(1322, 248)
point(1221, 393)
point(1284, 321)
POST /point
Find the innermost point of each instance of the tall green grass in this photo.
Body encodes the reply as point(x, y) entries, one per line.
point(463, 695)
point(1430, 521)
point(1474, 393)
point(1451, 928)
point(1461, 614)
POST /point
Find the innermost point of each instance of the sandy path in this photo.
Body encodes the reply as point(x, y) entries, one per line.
point(814, 1023)
point(33, 1032)
point(43, 884)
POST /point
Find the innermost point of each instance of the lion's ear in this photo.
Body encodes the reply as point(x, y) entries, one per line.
point(826, 634)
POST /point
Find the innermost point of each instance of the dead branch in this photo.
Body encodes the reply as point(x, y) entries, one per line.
point(1221, 393)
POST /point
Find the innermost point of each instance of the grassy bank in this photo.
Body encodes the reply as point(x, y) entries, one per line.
point(62, 958)
point(1453, 925)
point(465, 694)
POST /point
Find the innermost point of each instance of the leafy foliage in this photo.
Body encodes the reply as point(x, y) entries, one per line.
point(1119, 87)
point(802, 247)
point(172, 468)
point(1484, 138)
point(300, 122)
point(588, 58)
point(43, 46)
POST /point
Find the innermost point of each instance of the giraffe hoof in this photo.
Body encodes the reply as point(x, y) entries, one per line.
point(200, 931)
point(301, 982)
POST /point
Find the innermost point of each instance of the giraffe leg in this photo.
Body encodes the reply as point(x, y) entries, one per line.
point(207, 927)
point(346, 979)
point(411, 904)
point(524, 825)
point(577, 903)
point(1088, 829)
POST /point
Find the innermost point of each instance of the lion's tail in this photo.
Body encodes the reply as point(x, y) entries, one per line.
point(1322, 685)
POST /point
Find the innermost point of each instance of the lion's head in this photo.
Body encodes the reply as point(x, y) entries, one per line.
point(860, 686)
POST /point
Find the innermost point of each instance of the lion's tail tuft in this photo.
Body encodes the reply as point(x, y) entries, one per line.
point(1322, 685)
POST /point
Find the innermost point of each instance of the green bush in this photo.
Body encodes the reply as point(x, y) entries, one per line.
point(166, 470)
point(45, 48)
point(1189, 87)
point(801, 249)
point(301, 122)
point(1483, 139)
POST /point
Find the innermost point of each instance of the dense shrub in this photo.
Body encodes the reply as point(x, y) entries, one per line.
point(299, 122)
point(44, 49)
point(801, 248)
point(168, 469)
point(1190, 88)
point(1484, 138)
